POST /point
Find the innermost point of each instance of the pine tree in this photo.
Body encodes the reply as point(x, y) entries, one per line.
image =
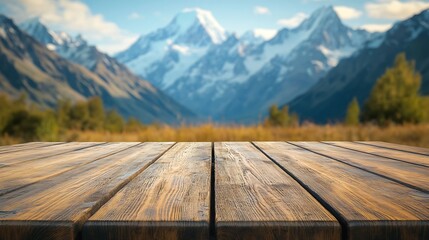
point(353, 111)
point(395, 97)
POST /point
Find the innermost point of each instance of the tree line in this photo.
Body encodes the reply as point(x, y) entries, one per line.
point(394, 99)
point(28, 122)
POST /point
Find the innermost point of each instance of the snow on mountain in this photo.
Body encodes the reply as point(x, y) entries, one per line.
point(112, 81)
point(165, 54)
point(356, 75)
point(257, 35)
point(221, 74)
point(292, 62)
point(75, 49)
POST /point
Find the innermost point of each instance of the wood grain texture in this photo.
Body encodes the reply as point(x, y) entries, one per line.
point(56, 208)
point(383, 152)
point(42, 152)
point(255, 199)
point(405, 173)
point(169, 200)
point(19, 175)
point(371, 206)
point(411, 149)
point(24, 146)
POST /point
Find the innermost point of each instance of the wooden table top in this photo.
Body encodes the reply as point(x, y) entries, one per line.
point(221, 190)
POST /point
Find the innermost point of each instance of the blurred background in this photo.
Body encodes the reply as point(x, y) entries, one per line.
point(76, 70)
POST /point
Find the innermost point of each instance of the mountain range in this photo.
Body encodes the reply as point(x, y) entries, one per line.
point(193, 63)
point(49, 66)
point(355, 76)
point(231, 78)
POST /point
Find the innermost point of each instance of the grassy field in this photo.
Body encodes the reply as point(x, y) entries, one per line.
point(416, 135)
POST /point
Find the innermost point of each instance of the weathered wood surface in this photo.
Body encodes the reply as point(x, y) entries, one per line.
point(24, 146)
point(408, 174)
point(370, 206)
point(255, 199)
point(169, 200)
point(232, 190)
point(398, 155)
point(42, 153)
point(19, 175)
point(57, 207)
point(392, 146)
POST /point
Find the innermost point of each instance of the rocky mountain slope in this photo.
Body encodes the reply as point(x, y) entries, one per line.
point(235, 78)
point(355, 76)
point(35, 69)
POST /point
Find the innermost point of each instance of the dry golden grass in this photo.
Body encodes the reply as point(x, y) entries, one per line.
point(416, 135)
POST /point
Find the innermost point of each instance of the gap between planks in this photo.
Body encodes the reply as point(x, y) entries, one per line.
point(405, 158)
point(362, 167)
point(397, 147)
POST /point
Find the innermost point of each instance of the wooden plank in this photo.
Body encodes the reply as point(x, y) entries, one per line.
point(255, 199)
point(42, 153)
point(411, 149)
point(383, 152)
point(370, 206)
point(56, 208)
point(19, 175)
point(408, 174)
point(169, 200)
point(24, 146)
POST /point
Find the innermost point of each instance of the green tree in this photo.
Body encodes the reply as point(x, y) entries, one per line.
point(277, 117)
point(133, 125)
point(63, 113)
point(353, 111)
point(113, 122)
point(395, 97)
point(96, 113)
point(79, 116)
point(5, 110)
point(47, 129)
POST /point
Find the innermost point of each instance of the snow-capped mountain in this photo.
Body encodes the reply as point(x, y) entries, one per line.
point(232, 78)
point(168, 52)
point(292, 62)
point(356, 75)
point(237, 78)
point(36, 69)
point(74, 49)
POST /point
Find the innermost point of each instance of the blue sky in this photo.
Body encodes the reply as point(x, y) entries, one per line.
point(115, 25)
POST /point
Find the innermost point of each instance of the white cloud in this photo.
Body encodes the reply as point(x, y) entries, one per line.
point(134, 15)
point(395, 9)
point(376, 27)
point(261, 10)
point(74, 17)
point(293, 21)
point(266, 34)
point(347, 13)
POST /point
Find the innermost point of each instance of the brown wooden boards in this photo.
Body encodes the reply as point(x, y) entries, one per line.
point(419, 150)
point(24, 146)
point(383, 152)
point(370, 206)
point(408, 174)
point(18, 175)
point(255, 199)
point(169, 200)
point(57, 207)
point(42, 153)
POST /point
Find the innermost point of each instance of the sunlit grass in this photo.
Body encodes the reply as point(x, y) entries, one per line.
point(416, 135)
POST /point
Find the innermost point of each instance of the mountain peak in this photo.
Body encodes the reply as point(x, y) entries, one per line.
point(4, 19)
point(324, 16)
point(191, 16)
